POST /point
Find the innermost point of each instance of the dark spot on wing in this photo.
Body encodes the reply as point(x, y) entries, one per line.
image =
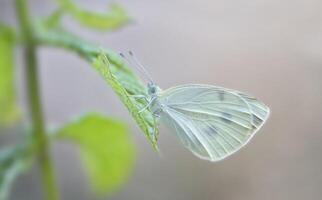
point(211, 130)
point(221, 95)
point(256, 120)
point(226, 117)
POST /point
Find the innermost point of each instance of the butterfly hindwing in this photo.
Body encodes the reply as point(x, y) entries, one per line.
point(212, 122)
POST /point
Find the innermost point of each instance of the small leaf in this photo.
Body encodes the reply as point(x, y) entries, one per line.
point(106, 149)
point(9, 111)
point(125, 84)
point(54, 19)
point(13, 162)
point(123, 81)
point(114, 18)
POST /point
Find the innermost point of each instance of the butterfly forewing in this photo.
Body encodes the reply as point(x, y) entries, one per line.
point(212, 122)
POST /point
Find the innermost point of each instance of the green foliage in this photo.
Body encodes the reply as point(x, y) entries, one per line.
point(122, 80)
point(13, 162)
point(125, 84)
point(106, 148)
point(8, 108)
point(53, 20)
point(104, 143)
point(114, 18)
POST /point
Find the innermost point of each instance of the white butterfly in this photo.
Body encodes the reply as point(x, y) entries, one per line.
point(212, 122)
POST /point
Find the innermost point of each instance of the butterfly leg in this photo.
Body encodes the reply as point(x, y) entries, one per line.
point(148, 105)
point(156, 115)
point(139, 96)
point(145, 107)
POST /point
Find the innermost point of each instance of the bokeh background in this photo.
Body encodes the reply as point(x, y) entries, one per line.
point(269, 48)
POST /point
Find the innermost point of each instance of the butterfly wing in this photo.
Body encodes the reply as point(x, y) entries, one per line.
point(212, 122)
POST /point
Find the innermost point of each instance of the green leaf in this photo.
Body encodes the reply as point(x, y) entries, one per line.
point(54, 19)
point(9, 111)
point(106, 149)
point(13, 162)
point(113, 19)
point(125, 83)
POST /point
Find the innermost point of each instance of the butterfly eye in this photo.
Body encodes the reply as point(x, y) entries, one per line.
point(152, 90)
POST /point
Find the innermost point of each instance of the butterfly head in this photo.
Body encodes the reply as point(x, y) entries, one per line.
point(153, 89)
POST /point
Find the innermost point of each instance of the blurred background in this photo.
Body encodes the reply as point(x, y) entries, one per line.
point(271, 49)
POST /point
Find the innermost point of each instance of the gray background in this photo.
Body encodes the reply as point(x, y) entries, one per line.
point(269, 48)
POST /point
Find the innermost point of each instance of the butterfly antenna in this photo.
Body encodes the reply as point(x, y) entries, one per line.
point(140, 66)
point(125, 58)
point(137, 65)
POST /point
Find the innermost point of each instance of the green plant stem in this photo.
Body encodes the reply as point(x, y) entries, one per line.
point(34, 100)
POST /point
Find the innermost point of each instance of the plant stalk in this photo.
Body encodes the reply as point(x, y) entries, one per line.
point(34, 101)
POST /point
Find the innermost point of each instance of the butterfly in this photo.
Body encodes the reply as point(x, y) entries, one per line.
point(212, 122)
